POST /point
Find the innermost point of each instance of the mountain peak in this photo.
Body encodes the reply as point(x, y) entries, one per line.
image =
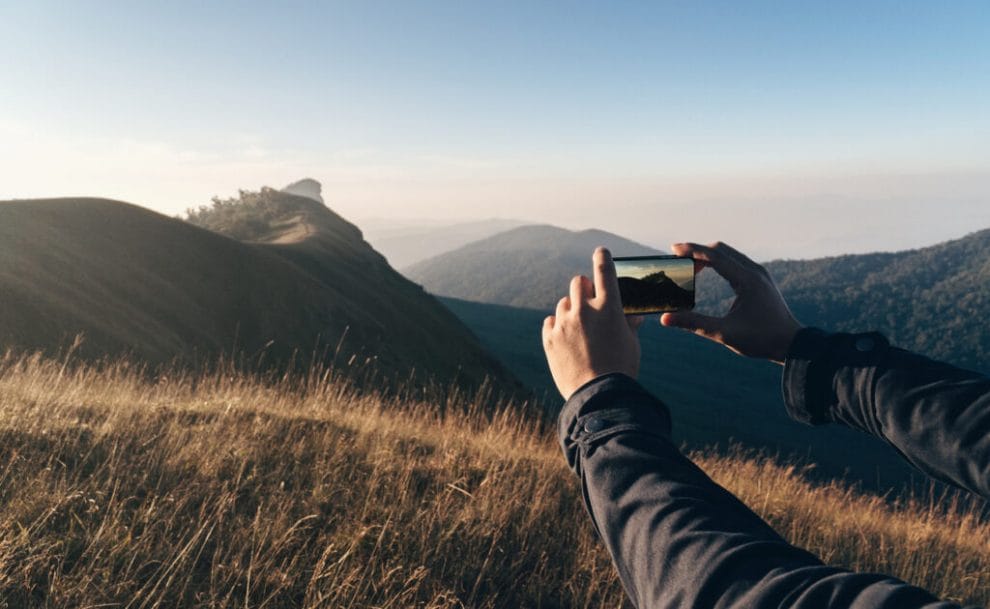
point(306, 187)
point(276, 216)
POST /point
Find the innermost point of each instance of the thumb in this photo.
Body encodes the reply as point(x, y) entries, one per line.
point(702, 325)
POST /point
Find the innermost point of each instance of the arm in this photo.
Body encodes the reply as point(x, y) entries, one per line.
point(677, 539)
point(936, 415)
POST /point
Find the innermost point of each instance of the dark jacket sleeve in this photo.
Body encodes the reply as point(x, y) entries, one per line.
point(678, 539)
point(936, 415)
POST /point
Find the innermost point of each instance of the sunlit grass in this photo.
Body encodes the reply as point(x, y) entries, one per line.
point(224, 490)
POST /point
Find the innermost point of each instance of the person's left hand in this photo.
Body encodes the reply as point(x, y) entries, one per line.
point(590, 336)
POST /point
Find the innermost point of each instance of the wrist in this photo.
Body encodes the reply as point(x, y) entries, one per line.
point(785, 342)
point(589, 376)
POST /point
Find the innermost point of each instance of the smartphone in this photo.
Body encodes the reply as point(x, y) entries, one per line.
point(655, 284)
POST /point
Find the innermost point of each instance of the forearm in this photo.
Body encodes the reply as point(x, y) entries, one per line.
point(936, 415)
point(677, 538)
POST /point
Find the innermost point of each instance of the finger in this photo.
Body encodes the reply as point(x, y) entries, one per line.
point(702, 325)
point(563, 305)
point(731, 251)
point(548, 324)
point(606, 283)
point(589, 288)
point(635, 321)
point(683, 249)
point(724, 263)
point(581, 290)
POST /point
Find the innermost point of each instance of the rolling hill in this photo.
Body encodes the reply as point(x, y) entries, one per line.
point(522, 267)
point(291, 281)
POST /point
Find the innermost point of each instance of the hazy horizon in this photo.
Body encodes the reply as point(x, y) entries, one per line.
point(789, 131)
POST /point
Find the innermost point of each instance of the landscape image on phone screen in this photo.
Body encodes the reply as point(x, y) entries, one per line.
point(655, 285)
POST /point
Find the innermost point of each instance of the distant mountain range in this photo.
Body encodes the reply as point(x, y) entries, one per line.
point(272, 276)
point(529, 266)
point(404, 244)
point(933, 300)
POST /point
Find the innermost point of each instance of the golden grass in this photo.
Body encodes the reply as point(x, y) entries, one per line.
point(223, 490)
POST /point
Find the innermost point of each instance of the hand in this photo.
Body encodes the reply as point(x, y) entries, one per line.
point(758, 324)
point(590, 336)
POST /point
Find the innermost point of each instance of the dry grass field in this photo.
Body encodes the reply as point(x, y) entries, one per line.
point(224, 490)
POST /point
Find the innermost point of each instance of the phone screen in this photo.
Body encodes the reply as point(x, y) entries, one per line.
point(655, 284)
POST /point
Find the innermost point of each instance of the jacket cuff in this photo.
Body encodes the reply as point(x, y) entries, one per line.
point(811, 364)
point(607, 405)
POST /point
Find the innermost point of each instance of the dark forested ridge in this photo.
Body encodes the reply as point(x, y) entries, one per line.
point(934, 300)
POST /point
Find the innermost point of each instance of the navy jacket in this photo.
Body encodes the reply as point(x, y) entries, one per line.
point(679, 540)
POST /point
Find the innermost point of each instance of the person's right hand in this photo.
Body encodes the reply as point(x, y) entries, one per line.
point(758, 324)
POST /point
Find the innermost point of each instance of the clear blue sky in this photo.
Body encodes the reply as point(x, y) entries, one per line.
point(695, 118)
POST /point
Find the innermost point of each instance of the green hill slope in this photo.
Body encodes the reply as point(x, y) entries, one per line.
point(523, 267)
point(160, 289)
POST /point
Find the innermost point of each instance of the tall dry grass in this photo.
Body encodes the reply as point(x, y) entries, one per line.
point(223, 490)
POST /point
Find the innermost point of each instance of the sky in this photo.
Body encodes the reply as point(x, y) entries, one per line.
point(789, 129)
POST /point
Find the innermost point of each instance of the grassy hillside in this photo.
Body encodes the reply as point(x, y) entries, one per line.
point(715, 397)
point(223, 491)
point(523, 267)
point(303, 283)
